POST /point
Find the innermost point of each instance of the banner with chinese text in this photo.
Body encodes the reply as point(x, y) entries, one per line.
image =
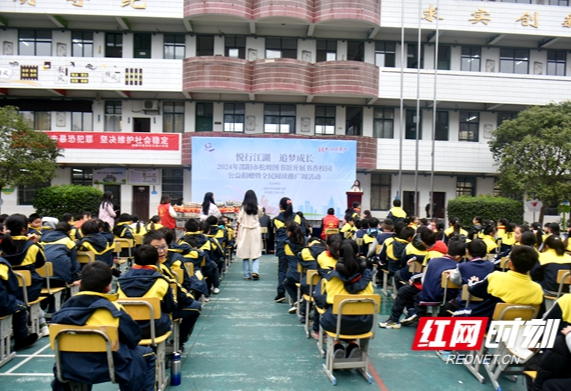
point(109, 140)
point(314, 174)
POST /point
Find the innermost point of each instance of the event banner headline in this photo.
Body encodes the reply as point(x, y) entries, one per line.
point(315, 174)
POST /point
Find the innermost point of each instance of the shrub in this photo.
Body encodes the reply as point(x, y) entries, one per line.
point(490, 208)
point(54, 201)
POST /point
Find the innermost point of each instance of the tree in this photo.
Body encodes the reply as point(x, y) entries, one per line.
point(533, 153)
point(54, 201)
point(27, 157)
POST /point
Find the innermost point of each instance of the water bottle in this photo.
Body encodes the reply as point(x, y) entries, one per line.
point(175, 369)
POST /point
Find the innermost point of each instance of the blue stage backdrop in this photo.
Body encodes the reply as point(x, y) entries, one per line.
point(314, 174)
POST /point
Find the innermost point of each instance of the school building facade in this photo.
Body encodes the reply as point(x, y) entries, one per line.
point(125, 86)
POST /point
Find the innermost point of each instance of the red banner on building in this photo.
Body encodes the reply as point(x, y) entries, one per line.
point(108, 140)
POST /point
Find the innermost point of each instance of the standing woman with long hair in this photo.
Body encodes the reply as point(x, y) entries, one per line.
point(249, 241)
point(167, 212)
point(106, 209)
point(209, 207)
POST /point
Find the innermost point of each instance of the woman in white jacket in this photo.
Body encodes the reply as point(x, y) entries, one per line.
point(249, 235)
point(209, 207)
point(107, 210)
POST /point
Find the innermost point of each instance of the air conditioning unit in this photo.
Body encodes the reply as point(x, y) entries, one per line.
point(150, 105)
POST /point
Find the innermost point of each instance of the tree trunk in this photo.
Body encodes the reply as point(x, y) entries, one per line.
point(541, 214)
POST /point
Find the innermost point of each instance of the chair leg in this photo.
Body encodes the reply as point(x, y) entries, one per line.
point(162, 380)
point(320, 343)
point(5, 341)
point(474, 367)
point(306, 325)
point(35, 318)
point(364, 343)
point(329, 360)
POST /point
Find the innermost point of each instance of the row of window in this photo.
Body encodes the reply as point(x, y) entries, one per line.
point(278, 118)
point(172, 184)
point(38, 43)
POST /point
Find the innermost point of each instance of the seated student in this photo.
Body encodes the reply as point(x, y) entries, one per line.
point(454, 228)
point(134, 365)
point(187, 308)
point(74, 233)
point(355, 211)
point(514, 286)
point(361, 227)
point(35, 224)
point(154, 223)
point(292, 247)
point(24, 253)
point(408, 295)
point(218, 236)
point(329, 222)
point(519, 231)
point(307, 258)
point(61, 251)
point(397, 214)
point(413, 222)
point(551, 260)
point(230, 231)
point(187, 251)
point(393, 249)
point(145, 280)
point(476, 266)
point(210, 268)
point(488, 235)
point(434, 248)
point(122, 229)
point(326, 262)
point(351, 277)
point(94, 240)
point(137, 226)
point(348, 230)
point(554, 365)
point(415, 251)
point(370, 235)
point(508, 238)
point(376, 245)
point(476, 228)
point(10, 304)
point(82, 218)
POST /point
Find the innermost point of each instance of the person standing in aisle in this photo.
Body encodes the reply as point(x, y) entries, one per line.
point(209, 208)
point(249, 237)
point(107, 211)
point(167, 213)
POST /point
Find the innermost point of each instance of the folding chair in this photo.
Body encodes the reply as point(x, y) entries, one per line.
point(84, 257)
point(25, 280)
point(344, 305)
point(331, 231)
point(46, 272)
point(83, 339)
point(504, 263)
point(138, 239)
point(445, 283)
point(175, 325)
point(150, 309)
point(124, 244)
point(6, 353)
point(563, 278)
point(264, 231)
point(312, 278)
point(503, 311)
point(468, 297)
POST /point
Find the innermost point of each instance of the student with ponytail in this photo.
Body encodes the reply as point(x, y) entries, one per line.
point(454, 228)
point(551, 260)
point(281, 222)
point(350, 277)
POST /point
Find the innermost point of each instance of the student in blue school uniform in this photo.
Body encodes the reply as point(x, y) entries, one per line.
point(281, 223)
point(135, 365)
point(350, 277)
point(551, 260)
point(144, 279)
point(94, 239)
point(292, 249)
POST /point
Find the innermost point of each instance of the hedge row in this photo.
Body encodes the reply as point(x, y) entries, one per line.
point(490, 208)
point(54, 201)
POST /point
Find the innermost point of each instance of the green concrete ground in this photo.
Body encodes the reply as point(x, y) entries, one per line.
point(245, 341)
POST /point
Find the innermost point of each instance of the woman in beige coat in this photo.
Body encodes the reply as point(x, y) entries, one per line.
point(249, 235)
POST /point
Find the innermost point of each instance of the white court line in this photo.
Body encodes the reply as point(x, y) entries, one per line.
point(26, 360)
point(26, 374)
point(37, 355)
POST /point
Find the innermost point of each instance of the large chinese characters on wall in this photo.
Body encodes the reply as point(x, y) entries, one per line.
point(315, 174)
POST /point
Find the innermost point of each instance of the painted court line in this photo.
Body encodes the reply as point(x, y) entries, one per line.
point(26, 374)
point(377, 378)
point(26, 360)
